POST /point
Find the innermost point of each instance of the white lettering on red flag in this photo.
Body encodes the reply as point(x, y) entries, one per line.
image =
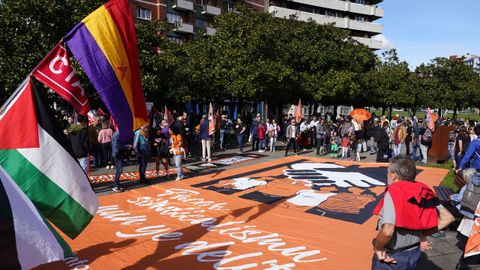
point(56, 72)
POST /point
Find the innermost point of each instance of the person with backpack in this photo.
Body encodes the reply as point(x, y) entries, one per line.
point(425, 138)
point(141, 146)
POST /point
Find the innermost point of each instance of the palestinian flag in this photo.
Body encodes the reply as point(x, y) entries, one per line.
point(36, 155)
point(27, 240)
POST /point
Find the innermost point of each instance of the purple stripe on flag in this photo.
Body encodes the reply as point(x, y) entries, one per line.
point(102, 75)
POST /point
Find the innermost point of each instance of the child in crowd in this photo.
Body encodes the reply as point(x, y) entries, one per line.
point(261, 130)
point(345, 144)
point(334, 145)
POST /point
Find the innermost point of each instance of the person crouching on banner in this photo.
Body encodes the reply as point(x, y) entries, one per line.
point(177, 150)
point(408, 213)
point(141, 146)
point(119, 153)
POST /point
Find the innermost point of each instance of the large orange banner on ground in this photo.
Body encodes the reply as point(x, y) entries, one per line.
point(292, 213)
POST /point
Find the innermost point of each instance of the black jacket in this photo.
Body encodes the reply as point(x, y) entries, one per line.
point(78, 136)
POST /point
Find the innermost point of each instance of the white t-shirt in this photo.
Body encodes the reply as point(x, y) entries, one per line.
point(294, 131)
point(309, 197)
point(246, 183)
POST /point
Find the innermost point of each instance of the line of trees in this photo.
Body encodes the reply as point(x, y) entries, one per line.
point(253, 56)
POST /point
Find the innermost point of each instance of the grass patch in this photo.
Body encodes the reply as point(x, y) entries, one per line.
point(449, 180)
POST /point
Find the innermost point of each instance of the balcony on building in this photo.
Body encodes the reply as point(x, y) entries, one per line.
point(181, 27)
point(370, 10)
point(345, 6)
point(305, 16)
point(371, 43)
point(211, 10)
point(365, 26)
point(183, 5)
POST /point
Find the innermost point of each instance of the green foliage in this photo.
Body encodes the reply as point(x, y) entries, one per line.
point(260, 57)
point(253, 56)
point(158, 61)
point(29, 29)
point(457, 83)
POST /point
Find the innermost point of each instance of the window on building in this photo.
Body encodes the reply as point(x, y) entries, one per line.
point(332, 13)
point(229, 7)
point(174, 18)
point(144, 14)
point(363, 2)
point(202, 23)
point(175, 39)
point(361, 18)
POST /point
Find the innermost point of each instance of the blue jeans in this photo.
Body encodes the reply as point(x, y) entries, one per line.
point(221, 139)
point(84, 164)
point(178, 164)
point(406, 260)
point(415, 147)
point(118, 170)
point(261, 144)
point(451, 151)
point(240, 141)
point(397, 149)
point(142, 166)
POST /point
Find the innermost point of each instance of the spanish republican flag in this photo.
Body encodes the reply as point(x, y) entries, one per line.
point(104, 44)
point(298, 111)
point(38, 158)
point(211, 119)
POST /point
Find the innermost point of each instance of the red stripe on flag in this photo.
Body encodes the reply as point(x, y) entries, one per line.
point(18, 124)
point(121, 15)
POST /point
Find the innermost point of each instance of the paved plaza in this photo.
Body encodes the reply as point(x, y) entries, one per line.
point(444, 255)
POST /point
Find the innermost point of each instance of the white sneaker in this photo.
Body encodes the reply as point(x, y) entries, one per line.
point(179, 178)
point(108, 167)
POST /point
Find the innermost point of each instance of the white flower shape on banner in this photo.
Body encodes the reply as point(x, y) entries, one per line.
point(318, 174)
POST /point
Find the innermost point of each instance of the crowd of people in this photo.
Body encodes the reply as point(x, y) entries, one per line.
point(400, 141)
point(342, 137)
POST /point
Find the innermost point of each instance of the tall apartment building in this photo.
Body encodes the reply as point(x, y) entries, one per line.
point(357, 16)
point(193, 17)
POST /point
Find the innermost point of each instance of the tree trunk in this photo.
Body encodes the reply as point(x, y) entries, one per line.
point(455, 113)
point(335, 107)
point(390, 110)
point(439, 112)
point(383, 111)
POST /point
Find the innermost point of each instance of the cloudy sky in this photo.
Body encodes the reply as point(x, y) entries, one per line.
point(421, 30)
